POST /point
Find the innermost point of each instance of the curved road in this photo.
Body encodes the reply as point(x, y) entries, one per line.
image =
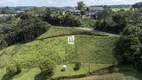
point(101, 32)
point(89, 29)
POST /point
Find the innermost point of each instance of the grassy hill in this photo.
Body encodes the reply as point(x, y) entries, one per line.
point(91, 50)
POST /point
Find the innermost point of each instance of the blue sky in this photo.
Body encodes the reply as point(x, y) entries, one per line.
point(60, 3)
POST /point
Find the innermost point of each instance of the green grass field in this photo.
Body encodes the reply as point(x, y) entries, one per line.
point(6, 15)
point(118, 9)
point(18, 11)
point(96, 50)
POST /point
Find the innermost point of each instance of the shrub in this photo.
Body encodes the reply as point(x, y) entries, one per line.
point(77, 66)
point(115, 69)
point(47, 68)
point(13, 69)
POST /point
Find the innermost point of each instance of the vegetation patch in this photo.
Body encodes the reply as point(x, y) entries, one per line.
point(57, 31)
point(118, 9)
point(59, 51)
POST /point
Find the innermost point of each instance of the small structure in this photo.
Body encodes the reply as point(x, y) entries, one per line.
point(74, 11)
point(71, 39)
point(64, 68)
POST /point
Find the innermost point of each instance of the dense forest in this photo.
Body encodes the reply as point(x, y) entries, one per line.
point(15, 29)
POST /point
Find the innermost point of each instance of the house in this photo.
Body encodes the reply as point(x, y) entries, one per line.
point(93, 11)
point(74, 11)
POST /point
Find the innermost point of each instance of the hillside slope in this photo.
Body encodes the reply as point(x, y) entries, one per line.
point(97, 50)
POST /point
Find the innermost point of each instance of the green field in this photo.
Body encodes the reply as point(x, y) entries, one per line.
point(118, 9)
point(96, 51)
point(28, 54)
point(6, 15)
point(18, 11)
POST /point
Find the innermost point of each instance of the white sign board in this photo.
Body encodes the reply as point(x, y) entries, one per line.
point(71, 39)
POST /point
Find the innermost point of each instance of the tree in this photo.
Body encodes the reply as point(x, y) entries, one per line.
point(131, 30)
point(140, 35)
point(82, 7)
point(120, 21)
point(25, 15)
point(54, 17)
point(7, 10)
point(104, 14)
point(12, 70)
point(130, 47)
point(24, 30)
point(3, 44)
point(77, 66)
point(47, 68)
point(138, 5)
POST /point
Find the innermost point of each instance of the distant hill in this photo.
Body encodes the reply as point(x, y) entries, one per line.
point(23, 7)
point(66, 7)
point(120, 6)
point(30, 7)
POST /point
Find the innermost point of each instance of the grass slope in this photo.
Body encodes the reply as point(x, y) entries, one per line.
point(96, 50)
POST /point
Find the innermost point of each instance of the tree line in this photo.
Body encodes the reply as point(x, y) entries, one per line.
point(138, 5)
point(7, 10)
point(61, 18)
point(115, 22)
point(129, 46)
point(20, 29)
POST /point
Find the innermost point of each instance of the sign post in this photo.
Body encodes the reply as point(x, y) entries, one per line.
point(71, 39)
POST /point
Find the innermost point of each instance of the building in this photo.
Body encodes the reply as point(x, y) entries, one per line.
point(93, 11)
point(74, 11)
